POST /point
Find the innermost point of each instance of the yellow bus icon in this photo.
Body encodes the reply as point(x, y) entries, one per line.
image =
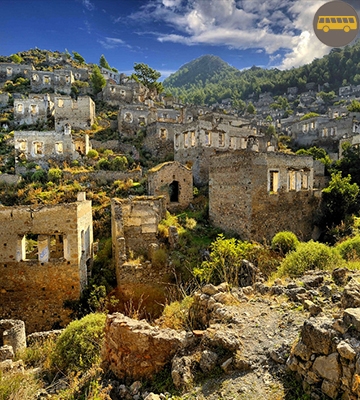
point(345, 23)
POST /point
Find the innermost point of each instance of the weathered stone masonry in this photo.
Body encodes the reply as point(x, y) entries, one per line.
point(257, 195)
point(34, 284)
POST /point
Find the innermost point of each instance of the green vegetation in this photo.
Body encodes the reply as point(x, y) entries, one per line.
point(78, 347)
point(77, 57)
point(97, 80)
point(308, 256)
point(147, 76)
point(309, 115)
point(283, 242)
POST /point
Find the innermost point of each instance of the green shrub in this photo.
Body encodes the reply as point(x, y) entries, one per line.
point(159, 258)
point(176, 314)
point(226, 256)
point(308, 256)
point(39, 176)
point(285, 241)
point(119, 163)
point(350, 248)
point(103, 164)
point(78, 347)
point(93, 154)
point(54, 174)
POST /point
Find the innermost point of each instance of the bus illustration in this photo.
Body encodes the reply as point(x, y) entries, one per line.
point(345, 23)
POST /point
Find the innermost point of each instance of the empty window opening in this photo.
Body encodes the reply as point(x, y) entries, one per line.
point(46, 79)
point(142, 120)
point(9, 71)
point(163, 133)
point(177, 140)
point(20, 108)
point(35, 77)
point(292, 180)
point(30, 247)
point(165, 115)
point(56, 246)
point(193, 138)
point(273, 181)
point(232, 142)
point(128, 117)
point(33, 109)
point(112, 89)
point(59, 148)
point(67, 78)
point(38, 148)
point(207, 139)
point(186, 139)
point(221, 139)
point(174, 192)
point(304, 181)
point(22, 145)
point(60, 103)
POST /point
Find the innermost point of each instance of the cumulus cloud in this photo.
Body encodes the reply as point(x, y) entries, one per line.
point(272, 25)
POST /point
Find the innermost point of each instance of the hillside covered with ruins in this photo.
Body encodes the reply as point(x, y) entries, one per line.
point(196, 238)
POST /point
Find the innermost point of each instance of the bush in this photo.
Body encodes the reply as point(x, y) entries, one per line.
point(350, 248)
point(285, 241)
point(308, 256)
point(159, 258)
point(119, 163)
point(93, 154)
point(54, 174)
point(78, 347)
point(176, 314)
point(225, 260)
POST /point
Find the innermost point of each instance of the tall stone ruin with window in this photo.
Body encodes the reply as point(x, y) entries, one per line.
point(45, 255)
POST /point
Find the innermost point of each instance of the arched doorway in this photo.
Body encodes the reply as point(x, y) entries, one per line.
point(174, 192)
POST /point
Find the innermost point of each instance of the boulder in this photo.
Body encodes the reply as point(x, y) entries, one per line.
point(351, 295)
point(135, 349)
point(352, 318)
point(328, 367)
point(181, 371)
point(318, 334)
point(248, 274)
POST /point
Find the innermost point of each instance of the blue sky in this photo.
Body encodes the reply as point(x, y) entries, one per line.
point(166, 34)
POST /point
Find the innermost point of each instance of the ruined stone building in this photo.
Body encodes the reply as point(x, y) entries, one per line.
point(36, 108)
point(9, 71)
point(40, 146)
point(130, 93)
point(257, 194)
point(199, 141)
point(45, 254)
point(59, 81)
point(111, 76)
point(133, 117)
point(174, 181)
point(80, 113)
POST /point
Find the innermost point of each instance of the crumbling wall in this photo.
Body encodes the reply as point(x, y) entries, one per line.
point(58, 81)
point(80, 113)
point(257, 195)
point(44, 258)
point(32, 110)
point(159, 140)
point(173, 181)
point(8, 71)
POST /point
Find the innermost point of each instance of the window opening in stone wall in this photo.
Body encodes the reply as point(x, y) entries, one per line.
point(232, 143)
point(112, 89)
point(292, 180)
point(46, 79)
point(177, 140)
point(165, 115)
point(207, 139)
point(59, 147)
point(163, 133)
point(22, 145)
point(221, 139)
point(35, 77)
point(20, 108)
point(273, 181)
point(174, 192)
point(30, 247)
point(9, 71)
point(186, 139)
point(304, 181)
point(38, 148)
point(57, 78)
point(60, 103)
point(243, 143)
point(56, 246)
point(193, 138)
point(33, 109)
point(67, 78)
point(128, 117)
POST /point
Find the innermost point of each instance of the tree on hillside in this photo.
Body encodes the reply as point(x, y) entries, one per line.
point(77, 57)
point(251, 108)
point(103, 62)
point(147, 76)
point(16, 58)
point(97, 80)
point(354, 106)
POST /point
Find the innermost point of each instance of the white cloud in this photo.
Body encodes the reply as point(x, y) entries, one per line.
point(112, 43)
point(88, 5)
point(271, 25)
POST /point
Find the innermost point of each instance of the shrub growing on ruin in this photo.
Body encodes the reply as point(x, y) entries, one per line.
point(93, 154)
point(350, 248)
point(54, 174)
point(79, 346)
point(285, 241)
point(226, 256)
point(310, 256)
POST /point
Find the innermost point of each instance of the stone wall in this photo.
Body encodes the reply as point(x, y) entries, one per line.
point(134, 224)
point(159, 139)
point(327, 357)
point(58, 81)
point(44, 259)
point(9, 71)
point(4, 99)
point(131, 118)
point(173, 181)
point(132, 92)
point(257, 195)
point(104, 177)
point(30, 111)
point(80, 113)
